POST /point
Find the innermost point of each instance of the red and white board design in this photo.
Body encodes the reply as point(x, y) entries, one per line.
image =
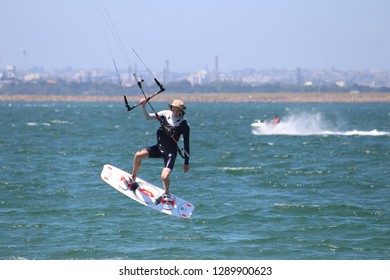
point(146, 194)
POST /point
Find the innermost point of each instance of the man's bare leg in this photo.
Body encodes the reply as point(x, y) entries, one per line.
point(165, 179)
point(137, 162)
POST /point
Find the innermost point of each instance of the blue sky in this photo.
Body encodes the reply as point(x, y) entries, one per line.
point(260, 34)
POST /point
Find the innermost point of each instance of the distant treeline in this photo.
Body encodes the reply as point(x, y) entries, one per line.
point(111, 89)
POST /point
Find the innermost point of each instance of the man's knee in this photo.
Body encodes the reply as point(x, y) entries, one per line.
point(165, 174)
point(141, 154)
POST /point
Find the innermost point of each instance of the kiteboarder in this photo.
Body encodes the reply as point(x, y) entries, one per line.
point(173, 125)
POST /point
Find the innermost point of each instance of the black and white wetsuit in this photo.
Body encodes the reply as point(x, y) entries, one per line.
point(166, 147)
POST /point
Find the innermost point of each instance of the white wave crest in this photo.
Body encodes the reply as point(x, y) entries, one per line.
point(306, 124)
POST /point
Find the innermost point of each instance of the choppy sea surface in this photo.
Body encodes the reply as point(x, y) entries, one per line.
point(315, 187)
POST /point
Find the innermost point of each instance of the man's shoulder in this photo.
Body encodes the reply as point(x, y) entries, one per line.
point(184, 122)
point(165, 113)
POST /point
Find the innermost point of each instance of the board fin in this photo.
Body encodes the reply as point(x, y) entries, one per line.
point(158, 201)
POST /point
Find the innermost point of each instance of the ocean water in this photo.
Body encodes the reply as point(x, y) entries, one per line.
point(315, 187)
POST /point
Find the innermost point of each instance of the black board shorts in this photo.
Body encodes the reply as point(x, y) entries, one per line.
point(157, 151)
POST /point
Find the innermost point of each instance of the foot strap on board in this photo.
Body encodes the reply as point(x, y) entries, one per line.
point(134, 186)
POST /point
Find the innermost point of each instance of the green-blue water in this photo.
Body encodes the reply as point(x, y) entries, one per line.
point(318, 189)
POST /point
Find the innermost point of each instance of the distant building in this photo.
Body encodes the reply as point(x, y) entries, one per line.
point(215, 75)
point(11, 71)
point(197, 78)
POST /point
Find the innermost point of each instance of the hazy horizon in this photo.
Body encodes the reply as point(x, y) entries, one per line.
point(279, 34)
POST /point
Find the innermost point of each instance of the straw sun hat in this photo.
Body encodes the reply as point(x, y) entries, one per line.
point(178, 104)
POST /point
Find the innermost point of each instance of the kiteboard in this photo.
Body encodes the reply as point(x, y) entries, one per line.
point(146, 193)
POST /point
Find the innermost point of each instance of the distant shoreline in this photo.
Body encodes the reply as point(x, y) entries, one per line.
point(216, 97)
